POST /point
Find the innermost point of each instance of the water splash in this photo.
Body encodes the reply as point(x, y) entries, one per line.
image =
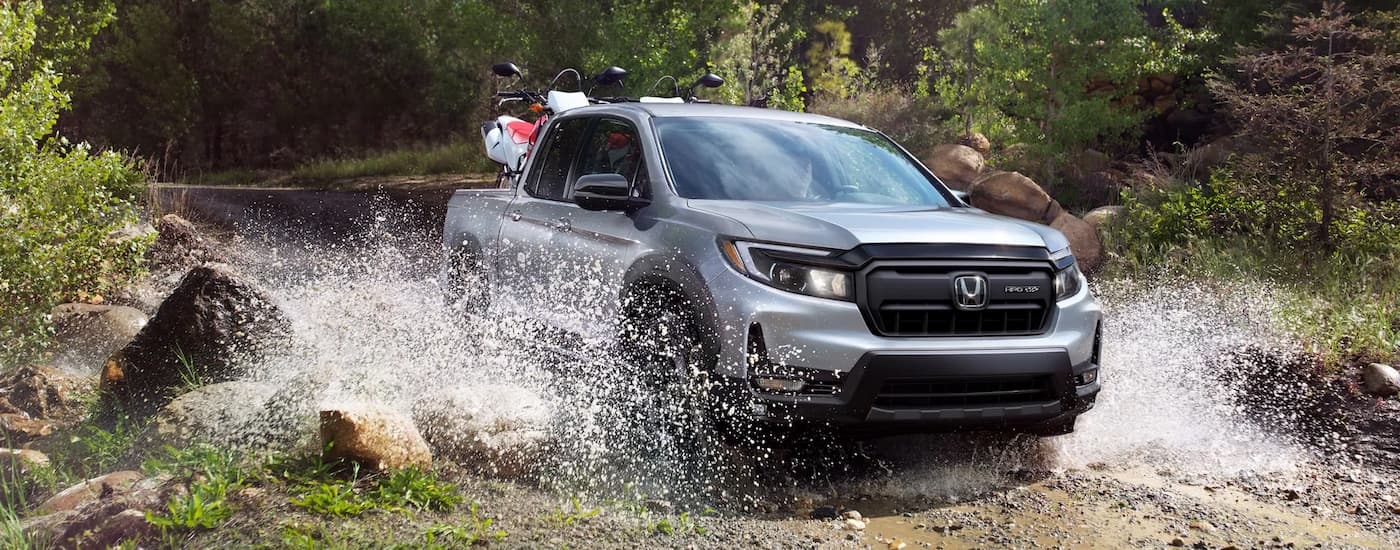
point(371, 325)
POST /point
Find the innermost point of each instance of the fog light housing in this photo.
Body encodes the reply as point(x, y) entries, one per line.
point(769, 383)
point(1086, 378)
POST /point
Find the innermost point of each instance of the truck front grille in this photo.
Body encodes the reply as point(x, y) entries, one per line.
point(918, 300)
point(931, 393)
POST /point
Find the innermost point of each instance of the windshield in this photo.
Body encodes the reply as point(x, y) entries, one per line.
point(784, 161)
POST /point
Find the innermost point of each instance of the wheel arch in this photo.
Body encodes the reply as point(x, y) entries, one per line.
point(679, 283)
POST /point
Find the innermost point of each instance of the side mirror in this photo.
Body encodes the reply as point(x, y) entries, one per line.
point(603, 192)
point(505, 70)
point(611, 75)
point(708, 80)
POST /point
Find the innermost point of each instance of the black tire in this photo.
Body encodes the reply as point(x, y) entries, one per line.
point(464, 285)
point(660, 340)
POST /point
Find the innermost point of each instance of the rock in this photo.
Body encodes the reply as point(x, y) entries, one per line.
point(977, 142)
point(21, 461)
point(896, 544)
point(957, 165)
point(1203, 526)
point(211, 322)
point(1083, 241)
point(179, 245)
point(658, 506)
point(1380, 379)
point(88, 334)
point(495, 429)
point(851, 514)
point(1104, 216)
point(224, 414)
point(374, 436)
point(45, 394)
point(19, 428)
point(824, 513)
point(89, 491)
point(854, 525)
point(125, 525)
point(1178, 543)
point(1012, 194)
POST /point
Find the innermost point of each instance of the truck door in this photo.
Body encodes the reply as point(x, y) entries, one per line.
point(528, 275)
point(598, 246)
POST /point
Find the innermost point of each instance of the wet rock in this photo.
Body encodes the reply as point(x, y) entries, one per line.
point(851, 514)
point(1012, 194)
point(853, 525)
point(1083, 241)
point(495, 429)
point(373, 436)
point(1177, 542)
point(957, 165)
point(88, 334)
point(89, 491)
point(45, 394)
point(1104, 216)
point(1381, 380)
point(824, 513)
point(211, 322)
point(224, 414)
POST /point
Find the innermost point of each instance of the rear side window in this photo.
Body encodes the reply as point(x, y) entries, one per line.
point(551, 177)
point(613, 148)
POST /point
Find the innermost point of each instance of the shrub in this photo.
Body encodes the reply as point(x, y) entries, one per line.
point(59, 202)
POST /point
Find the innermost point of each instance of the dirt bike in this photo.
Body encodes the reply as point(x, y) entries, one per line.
point(509, 139)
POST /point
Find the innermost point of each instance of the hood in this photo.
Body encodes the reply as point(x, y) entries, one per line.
point(846, 225)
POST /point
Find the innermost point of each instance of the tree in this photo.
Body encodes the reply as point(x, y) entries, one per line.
point(58, 201)
point(1033, 63)
point(1324, 111)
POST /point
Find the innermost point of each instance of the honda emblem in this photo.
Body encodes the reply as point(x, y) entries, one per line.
point(970, 292)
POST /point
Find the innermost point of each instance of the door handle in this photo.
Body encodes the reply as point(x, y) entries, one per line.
point(564, 225)
point(515, 216)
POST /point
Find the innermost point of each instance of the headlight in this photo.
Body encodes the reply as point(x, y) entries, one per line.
point(782, 267)
point(1068, 281)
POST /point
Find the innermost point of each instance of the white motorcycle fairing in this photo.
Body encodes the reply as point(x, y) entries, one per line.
point(507, 140)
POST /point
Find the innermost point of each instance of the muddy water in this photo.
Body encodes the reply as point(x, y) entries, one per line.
point(356, 273)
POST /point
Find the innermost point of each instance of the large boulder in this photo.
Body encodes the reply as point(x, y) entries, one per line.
point(957, 165)
point(1015, 195)
point(1083, 241)
point(88, 334)
point(374, 436)
point(225, 414)
point(17, 462)
point(210, 324)
point(495, 430)
point(1381, 380)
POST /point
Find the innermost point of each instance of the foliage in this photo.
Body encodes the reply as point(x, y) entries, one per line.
point(757, 53)
point(213, 473)
point(318, 487)
point(1345, 303)
point(1040, 67)
point(829, 66)
point(1323, 116)
point(917, 123)
point(59, 201)
point(478, 530)
point(576, 513)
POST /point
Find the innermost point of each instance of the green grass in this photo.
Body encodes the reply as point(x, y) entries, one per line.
point(213, 474)
point(1344, 307)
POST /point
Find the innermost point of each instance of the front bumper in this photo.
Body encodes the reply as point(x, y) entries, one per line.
point(864, 403)
point(831, 337)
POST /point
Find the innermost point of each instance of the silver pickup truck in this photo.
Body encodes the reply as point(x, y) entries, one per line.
point(805, 269)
